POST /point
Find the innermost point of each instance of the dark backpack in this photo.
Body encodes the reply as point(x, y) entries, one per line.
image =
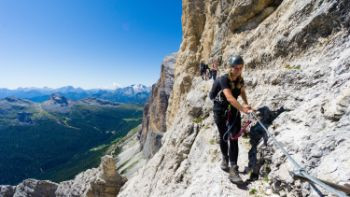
point(216, 94)
point(215, 91)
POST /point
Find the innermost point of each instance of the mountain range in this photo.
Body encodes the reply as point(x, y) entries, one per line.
point(136, 93)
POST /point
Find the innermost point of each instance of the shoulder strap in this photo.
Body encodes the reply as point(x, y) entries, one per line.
point(218, 97)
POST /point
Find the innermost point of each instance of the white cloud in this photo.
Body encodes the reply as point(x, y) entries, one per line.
point(116, 85)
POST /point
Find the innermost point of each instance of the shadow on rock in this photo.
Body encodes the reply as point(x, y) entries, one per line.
point(256, 134)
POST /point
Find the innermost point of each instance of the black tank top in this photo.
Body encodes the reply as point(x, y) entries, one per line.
point(222, 83)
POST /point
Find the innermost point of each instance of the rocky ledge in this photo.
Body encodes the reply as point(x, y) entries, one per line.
point(103, 181)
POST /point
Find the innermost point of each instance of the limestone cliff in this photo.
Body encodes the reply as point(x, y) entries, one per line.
point(297, 56)
point(154, 115)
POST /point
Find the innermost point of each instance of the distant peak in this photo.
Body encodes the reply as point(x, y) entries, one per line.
point(139, 88)
point(59, 99)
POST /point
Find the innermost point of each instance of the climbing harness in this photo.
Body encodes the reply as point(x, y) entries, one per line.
point(300, 171)
point(243, 130)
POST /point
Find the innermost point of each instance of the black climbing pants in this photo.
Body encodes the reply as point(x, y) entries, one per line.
point(229, 148)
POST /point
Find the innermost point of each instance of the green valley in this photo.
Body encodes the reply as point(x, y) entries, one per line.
point(59, 138)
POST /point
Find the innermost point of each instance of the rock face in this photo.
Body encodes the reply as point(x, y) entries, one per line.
point(7, 190)
point(129, 155)
point(154, 116)
point(57, 103)
point(59, 100)
point(103, 181)
point(30, 187)
point(297, 56)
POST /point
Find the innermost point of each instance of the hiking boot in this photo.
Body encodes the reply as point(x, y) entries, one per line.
point(224, 165)
point(234, 176)
point(253, 176)
point(247, 170)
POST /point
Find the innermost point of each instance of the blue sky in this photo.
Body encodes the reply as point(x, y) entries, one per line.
point(86, 43)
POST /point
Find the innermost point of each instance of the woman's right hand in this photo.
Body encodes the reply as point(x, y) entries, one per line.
point(246, 109)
